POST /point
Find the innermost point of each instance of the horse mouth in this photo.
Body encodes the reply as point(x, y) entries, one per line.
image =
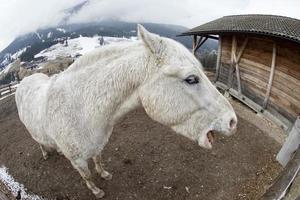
point(207, 138)
point(211, 137)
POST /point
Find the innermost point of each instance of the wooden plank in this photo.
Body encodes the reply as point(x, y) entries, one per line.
point(255, 68)
point(284, 181)
point(271, 76)
point(284, 103)
point(276, 114)
point(256, 73)
point(6, 85)
point(281, 80)
point(218, 59)
point(275, 117)
point(257, 51)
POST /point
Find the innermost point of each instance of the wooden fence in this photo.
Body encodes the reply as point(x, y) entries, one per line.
point(8, 89)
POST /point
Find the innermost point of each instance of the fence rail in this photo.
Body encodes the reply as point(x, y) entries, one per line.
point(284, 181)
point(8, 89)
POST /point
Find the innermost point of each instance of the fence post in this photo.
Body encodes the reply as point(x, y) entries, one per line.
point(290, 145)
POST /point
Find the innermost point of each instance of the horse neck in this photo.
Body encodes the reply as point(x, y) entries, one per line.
point(119, 80)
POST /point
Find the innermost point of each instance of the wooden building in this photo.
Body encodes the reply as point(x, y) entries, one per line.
point(258, 62)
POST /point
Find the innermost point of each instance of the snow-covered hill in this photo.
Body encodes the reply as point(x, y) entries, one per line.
point(42, 39)
point(78, 46)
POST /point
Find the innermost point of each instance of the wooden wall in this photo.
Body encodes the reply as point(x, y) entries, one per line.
point(255, 67)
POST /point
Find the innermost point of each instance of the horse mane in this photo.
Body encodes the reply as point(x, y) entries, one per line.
point(107, 52)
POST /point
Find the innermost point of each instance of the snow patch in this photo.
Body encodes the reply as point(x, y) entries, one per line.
point(19, 53)
point(61, 30)
point(38, 35)
point(6, 60)
point(14, 186)
point(78, 46)
point(49, 35)
point(6, 69)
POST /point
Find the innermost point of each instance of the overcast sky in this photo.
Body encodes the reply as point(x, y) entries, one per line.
point(21, 16)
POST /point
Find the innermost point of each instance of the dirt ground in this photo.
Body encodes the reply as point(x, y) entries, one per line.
point(148, 162)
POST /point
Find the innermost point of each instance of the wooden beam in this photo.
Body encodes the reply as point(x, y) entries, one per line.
point(201, 42)
point(194, 43)
point(213, 37)
point(238, 77)
point(237, 69)
point(231, 70)
point(218, 59)
point(271, 77)
point(197, 43)
point(242, 49)
point(235, 59)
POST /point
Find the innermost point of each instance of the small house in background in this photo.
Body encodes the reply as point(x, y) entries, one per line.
point(258, 62)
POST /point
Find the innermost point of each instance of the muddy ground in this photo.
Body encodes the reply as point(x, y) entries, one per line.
point(148, 162)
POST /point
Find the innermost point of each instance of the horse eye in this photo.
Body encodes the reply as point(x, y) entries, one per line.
point(192, 79)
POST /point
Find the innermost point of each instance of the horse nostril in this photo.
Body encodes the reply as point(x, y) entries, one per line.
point(232, 123)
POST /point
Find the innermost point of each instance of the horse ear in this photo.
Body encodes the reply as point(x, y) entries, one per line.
point(151, 40)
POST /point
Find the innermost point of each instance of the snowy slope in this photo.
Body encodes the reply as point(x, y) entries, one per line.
point(19, 53)
point(7, 69)
point(78, 46)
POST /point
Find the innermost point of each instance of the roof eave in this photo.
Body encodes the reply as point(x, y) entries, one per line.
point(206, 33)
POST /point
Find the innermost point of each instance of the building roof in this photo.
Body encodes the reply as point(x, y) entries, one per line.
point(277, 26)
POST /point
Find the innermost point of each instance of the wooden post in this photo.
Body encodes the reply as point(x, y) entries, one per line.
point(290, 145)
point(201, 42)
point(237, 67)
point(218, 59)
point(237, 72)
point(194, 43)
point(271, 77)
point(231, 70)
point(197, 43)
point(235, 63)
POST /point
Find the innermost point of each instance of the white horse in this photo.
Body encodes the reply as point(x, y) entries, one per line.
point(75, 111)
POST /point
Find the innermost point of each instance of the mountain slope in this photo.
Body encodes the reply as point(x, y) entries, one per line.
point(37, 41)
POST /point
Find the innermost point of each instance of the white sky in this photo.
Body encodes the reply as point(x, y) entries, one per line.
point(21, 16)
